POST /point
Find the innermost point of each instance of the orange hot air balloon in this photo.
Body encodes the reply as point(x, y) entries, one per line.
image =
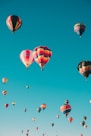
point(13, 22)
point(70, 119)
point(42, 55)
point(26, 56)
point(4, 80)
point(43, 106)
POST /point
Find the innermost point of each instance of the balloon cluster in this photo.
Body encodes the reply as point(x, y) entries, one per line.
point(43, 106)
point(83, 123)
point(41, 55)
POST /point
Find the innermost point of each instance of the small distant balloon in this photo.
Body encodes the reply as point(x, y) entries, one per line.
point(27, 130)
point(33, 119)
point(85, 117)
point(43, 106)
point(25, 110)
point(85, 126)
point(82, 123)
point(52, 124)
point(4, 80)
point(39, 109)
point(27, 86)
point(6, 105)
point(70, 119)
point(58, 116)
point(66, 101)
point(13, 103)
point(37, 128)
point(4, 92)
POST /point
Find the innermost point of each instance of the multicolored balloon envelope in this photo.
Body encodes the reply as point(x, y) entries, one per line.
point(66, 108)
point(26, 56)
point(42, 55)
point(13, 22)
point(79, 28)
point(84, 68)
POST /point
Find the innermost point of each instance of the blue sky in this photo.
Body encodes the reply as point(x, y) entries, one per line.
point(50, 23)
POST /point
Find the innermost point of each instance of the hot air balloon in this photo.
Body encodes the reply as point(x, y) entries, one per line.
point(89, 101)
point(25, 110)
point(27, 86)
point(13, 22)
point(33, 119)
point(4, 80)
point(84, 68)
point(70, 119)
point(6, 105)
point(66, 108)
point(52, 124)
point(58, 116)
point(43, 106)
point(42, 55)
point(13, 103)
point(85, 126)
point(82, 123)
point(79, 28)
point(26, 56)
point(26, 134)
point(39, 109)
point(66, 101)
point(37, 128)
point(4, 92)
point(85, 117)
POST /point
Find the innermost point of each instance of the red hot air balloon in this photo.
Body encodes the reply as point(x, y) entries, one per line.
point(26, 56)
point(66, 108)
point(79, 28)
point(70, 119)
point(13, 22)
point(42, 55)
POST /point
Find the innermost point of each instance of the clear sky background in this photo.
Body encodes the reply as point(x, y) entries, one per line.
point(50, 23)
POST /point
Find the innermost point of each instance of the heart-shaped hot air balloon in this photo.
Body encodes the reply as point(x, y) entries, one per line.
point(13, 22)
point(26, 56)
point(42, 55)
